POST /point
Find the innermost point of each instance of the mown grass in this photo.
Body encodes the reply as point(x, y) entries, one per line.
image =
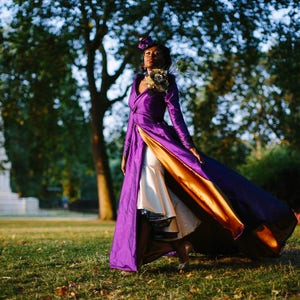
point(56, 259)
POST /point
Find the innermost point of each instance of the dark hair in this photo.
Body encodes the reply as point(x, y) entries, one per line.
point(166, 53)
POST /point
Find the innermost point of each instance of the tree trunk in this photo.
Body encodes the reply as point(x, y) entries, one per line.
point(258, 146)
point(107, 207)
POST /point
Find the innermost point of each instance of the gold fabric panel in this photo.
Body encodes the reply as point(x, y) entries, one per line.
point(266, 236)
point(203, 191)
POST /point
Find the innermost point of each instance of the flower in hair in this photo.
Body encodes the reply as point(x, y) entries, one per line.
point(145, 42)
point(157, 79)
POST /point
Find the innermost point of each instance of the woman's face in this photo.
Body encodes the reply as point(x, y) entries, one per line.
point(153, 58)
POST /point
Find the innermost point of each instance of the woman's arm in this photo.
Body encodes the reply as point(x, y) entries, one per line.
point(176, 116)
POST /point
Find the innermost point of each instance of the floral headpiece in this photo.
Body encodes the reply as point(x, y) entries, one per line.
point(145, 42)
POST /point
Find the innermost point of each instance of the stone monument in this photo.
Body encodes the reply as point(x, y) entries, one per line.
point(11, 203)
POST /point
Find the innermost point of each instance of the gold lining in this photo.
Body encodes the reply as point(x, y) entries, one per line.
point(266, 235)
point(203, 191)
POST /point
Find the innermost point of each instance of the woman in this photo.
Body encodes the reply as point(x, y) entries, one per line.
point(171, 200)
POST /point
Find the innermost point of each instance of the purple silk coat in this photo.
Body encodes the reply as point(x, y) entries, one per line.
point(253, 206)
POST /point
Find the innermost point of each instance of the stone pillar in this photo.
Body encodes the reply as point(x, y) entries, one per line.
point(10, 203)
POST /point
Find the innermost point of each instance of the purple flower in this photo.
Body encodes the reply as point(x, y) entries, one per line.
point(145, 42)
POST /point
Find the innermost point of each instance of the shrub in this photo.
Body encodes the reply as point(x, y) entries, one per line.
point(278, 172)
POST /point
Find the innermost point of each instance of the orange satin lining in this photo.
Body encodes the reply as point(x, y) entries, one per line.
point(266, 235)
point(203, 191)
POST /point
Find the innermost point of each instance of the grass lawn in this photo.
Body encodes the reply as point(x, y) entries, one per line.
point(59, 259)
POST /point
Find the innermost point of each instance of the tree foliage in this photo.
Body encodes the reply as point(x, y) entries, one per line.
point(284, 66)
point(278, 171)
point(41, 112)
point(247, 99)
point(232, 90)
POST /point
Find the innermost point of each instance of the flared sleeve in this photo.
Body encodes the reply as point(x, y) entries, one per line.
point(176, 116)
point(128, 135)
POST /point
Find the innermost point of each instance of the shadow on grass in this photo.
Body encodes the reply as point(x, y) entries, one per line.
point(198, 262)
point(290, 258)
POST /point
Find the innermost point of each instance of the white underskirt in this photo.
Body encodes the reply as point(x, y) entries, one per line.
point(156, 197)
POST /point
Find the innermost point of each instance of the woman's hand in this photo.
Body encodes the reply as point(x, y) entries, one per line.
point(123, 165)
point(196, 154)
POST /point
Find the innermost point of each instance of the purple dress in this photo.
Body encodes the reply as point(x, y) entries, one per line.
point(236, 215)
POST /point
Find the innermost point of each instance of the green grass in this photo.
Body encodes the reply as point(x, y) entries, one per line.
point(55, 259)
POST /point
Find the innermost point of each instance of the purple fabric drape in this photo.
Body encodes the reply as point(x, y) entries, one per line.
point(253, 205)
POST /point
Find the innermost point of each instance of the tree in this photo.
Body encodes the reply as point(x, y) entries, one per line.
point(102, 37)
point(85, 26)
point(284, 66)
point(39, 104)
point(89, 27)
point(247, 99)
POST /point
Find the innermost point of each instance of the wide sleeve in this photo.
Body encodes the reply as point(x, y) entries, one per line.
point(128, 135)
point(176, 116)
point(130, 122)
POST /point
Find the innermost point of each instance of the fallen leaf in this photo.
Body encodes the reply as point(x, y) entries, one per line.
point(194, 290)
point(61, 291)
point(150, 281)
point(73, 294)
